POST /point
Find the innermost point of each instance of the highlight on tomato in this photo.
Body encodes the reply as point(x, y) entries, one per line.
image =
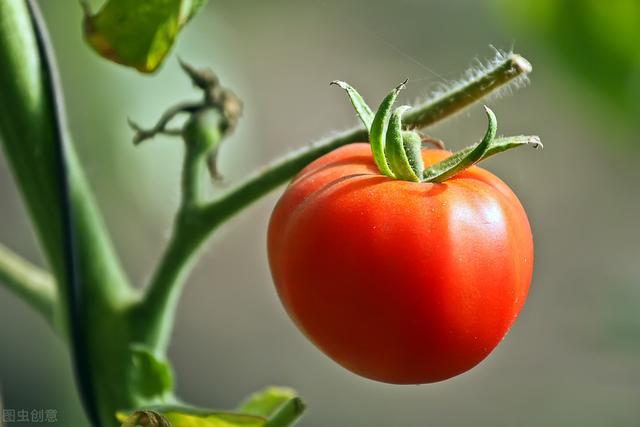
point(403, 264)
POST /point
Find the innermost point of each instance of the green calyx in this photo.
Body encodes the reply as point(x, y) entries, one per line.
point(397, 152)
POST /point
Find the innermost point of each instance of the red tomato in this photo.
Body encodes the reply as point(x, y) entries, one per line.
point(398, 281)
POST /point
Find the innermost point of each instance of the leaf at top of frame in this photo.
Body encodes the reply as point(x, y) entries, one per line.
point(140, 33)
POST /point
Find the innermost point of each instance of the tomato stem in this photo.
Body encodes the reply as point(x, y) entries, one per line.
point(215, 98)
point(507, 68)
point(171, 270)
point(202, 135)
point(34, 285)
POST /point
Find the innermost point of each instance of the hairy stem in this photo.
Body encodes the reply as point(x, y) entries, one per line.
point(424, 115)
point(503, 72)
point(156, 309)
point(33, 285)
point(202, 135)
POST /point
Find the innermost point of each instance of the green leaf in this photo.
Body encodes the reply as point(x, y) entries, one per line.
point(268, 402)
point(181, 419)
point(188, 416)
point(271, 407)
point(288, 413)
point(139, 33)
point(151, 377)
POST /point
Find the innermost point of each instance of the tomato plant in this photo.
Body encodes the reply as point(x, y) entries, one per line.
point(117, 333)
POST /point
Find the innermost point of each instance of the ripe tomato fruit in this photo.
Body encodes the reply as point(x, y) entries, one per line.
point(398, 281)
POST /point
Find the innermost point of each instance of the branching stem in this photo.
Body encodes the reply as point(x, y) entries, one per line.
point(161, 126)
point(155, 312)
point(35, 286)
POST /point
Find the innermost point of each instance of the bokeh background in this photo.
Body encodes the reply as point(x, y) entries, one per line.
point(573, 357)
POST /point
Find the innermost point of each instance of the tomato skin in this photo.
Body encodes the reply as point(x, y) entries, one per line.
point(400, 282)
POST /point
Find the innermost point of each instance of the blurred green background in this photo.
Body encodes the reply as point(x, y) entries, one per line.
point(573, 357)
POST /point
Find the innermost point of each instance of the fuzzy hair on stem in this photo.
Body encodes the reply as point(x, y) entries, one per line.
point(493, 78)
